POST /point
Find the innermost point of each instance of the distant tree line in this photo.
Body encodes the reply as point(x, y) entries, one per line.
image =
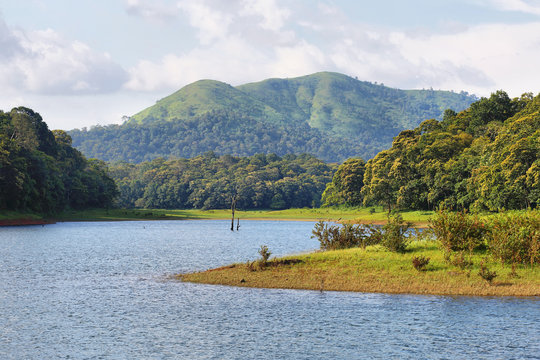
point(210, 181)
point(41, 172)
point(486, 157)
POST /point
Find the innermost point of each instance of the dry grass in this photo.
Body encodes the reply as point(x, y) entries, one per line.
point(375, 270)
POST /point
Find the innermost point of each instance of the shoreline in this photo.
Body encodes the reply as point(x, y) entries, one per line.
point(373, 270)
point(360, 216)
point(26, 222)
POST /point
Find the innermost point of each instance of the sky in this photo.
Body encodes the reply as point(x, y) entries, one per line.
point(88, 62)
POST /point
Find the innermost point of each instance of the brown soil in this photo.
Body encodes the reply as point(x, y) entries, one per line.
point(24, 222)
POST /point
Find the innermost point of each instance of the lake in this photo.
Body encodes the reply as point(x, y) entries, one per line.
point(102, 290)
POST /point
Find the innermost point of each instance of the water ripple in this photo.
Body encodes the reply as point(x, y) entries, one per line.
point(103, 291)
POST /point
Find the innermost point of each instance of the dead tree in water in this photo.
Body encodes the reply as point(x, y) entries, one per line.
point(233, 209)
point(237, 223)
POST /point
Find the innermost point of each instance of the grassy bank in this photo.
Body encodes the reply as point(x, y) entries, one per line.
point(13, 215)
point(376, 270)
point(366, 215)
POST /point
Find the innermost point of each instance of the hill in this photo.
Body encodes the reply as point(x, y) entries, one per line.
point(329, 115)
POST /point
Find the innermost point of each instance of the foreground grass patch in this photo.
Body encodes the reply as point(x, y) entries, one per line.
point(376, 270)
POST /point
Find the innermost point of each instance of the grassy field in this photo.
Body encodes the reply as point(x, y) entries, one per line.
point(376, 270)
point(365, 215)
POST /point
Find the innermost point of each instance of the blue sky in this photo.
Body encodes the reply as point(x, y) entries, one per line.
point(86, 62)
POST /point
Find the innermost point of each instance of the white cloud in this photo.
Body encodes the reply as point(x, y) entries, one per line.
point(234, 61)
point(249, 40)
point(211, 24)
point(45, 62)
point(483, 58)
point(530, 7)
point(151, 9)
point(478, 59)
point(274, 17)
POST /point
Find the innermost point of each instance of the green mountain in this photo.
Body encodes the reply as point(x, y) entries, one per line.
point(329, 115)
point(202, 97)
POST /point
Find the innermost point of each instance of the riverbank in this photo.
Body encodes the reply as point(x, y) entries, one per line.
point(376, 270)
point(356, 215)
point(13, 218)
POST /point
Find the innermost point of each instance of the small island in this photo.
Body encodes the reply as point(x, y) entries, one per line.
point(372, 270)
point(477, 264)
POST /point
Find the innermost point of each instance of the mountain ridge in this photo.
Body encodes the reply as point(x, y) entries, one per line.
point(329, 108)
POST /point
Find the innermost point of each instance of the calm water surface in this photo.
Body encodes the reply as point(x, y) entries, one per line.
point(101, 291)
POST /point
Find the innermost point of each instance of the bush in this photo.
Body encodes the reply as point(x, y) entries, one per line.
point(458, 231)
point(486, 274)
point(420, 262)
point(460, 260)
point(394, 234)
point(333, 237)
point(515, 238)
point(265, 254)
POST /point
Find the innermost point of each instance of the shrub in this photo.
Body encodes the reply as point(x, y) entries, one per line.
point(250, 265)
point(486, 274)
point(394, 234)
point(265, 254)
point(458, 231)
point(460, 260)
point(420, 262)
point(332, 237)
point(515, 238)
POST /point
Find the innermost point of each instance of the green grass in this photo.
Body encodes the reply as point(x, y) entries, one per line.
point(341, 214)
point(13, 215)
point(375, 269)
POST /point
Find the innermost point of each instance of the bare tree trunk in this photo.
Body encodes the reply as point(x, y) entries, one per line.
point(237, 223)
point(233, 208)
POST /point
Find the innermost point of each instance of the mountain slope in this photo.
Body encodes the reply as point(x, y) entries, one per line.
point(201, 97)
point(345, 116)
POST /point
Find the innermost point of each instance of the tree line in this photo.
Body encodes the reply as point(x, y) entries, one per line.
point(210, 181)
point(41, 172)
point(486, 157)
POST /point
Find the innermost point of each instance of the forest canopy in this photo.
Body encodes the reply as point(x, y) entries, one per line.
point(486, 157)
point(209, 182)
point(41, 172)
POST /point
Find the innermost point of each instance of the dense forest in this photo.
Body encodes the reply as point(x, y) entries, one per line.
point(220, 131)
point(486, 157)
point(209, 182)
point(328, 115)
point(41, 172)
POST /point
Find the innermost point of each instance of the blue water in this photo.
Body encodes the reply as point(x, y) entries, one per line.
point(103, 291)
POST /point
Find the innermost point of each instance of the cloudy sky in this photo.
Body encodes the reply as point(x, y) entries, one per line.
point(86, 62)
